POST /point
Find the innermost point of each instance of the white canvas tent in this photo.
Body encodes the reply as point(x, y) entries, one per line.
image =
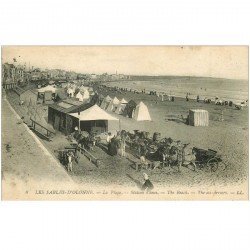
point(96, 120)
point(83, 88)
point(79, 96)
point(123, 101)
point(121, 106)
point(86, 94)
point(94, 113)
point(70, 92)
point(141, 113)
point(113, 105)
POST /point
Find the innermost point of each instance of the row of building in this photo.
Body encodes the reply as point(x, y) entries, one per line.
point(15, 74)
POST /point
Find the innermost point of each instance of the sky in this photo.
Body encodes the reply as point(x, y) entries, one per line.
point(208, 61)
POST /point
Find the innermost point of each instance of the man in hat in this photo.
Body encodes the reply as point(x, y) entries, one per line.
point(76, 132)
point(147, 186)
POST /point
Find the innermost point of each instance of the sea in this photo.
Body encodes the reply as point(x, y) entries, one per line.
point(224, 89)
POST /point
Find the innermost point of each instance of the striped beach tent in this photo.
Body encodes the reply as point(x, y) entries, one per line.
point(113, 105)
point(105, 102)
point(121, 107)
point(198, 117)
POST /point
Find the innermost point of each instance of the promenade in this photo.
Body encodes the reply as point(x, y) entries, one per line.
point(27, 166)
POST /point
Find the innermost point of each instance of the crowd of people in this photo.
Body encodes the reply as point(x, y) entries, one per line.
point(154, 149)
point(171, 96)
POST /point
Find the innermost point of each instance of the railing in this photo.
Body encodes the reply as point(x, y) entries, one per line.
point(48, 132)
point(91, 157)
point(9, 85)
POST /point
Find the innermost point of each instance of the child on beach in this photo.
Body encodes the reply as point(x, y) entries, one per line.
point(70, 159)
point(147, 186)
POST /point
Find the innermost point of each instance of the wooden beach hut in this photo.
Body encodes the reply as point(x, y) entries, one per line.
point(26, 95)
point(58, 114)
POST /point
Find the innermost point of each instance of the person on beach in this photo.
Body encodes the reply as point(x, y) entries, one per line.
point(109, 137)
point(198, 98)
point(70, 159)
point(113, 146)
point(147, 186)
point(165, 155)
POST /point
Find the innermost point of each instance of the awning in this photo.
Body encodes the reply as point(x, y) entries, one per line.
point(94, 113)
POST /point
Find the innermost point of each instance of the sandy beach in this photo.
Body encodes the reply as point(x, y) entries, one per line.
point(228, 138)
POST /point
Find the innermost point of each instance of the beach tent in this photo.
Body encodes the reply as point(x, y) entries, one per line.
point(106, 102)
point(129, 109)
point(83, 88)
point(86, 94)
point(101, 98)
point(94, 113)
point(95, 119)
point(113, 105)
point(198, 117)
point(70, 92)
point(91, 91)
point(47, 89)
point(123, 101)
point(122, 105)
point(79, 96)
point(94, 99)
point(141, 113)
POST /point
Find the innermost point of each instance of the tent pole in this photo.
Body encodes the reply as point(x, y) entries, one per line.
point(119, 125)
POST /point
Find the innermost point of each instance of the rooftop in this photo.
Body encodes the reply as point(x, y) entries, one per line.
point(70, 105)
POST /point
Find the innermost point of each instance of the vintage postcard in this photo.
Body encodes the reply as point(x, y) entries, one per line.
point(124, 122)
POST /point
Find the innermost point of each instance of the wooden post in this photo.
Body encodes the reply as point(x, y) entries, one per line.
point(221, 117)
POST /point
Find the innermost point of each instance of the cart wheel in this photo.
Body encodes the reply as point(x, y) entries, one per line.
point(198, 165)
point(213, 164)
point(222, 166)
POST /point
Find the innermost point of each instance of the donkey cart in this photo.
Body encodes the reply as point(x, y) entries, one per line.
point(208, 160)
